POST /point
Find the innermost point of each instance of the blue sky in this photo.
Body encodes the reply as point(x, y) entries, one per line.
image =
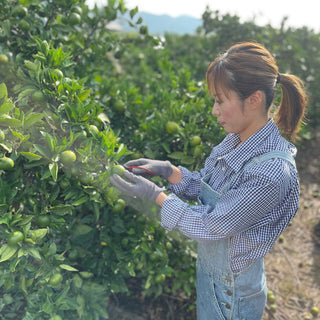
point(271, 11)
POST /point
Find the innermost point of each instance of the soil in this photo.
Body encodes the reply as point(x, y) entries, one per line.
point(292, 266)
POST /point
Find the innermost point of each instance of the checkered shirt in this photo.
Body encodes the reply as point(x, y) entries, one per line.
point(257, 207)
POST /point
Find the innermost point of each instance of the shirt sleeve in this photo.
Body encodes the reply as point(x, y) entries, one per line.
point(189, 186)
point(244, 205)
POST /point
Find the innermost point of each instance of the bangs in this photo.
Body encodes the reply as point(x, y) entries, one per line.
point(218, 78)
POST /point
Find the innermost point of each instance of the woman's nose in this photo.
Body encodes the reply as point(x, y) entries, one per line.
point(215, 110)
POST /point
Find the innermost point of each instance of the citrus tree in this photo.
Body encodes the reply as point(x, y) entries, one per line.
point(67, 112)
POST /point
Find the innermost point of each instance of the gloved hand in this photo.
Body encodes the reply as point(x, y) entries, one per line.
point(135, 186)
point(150, 167)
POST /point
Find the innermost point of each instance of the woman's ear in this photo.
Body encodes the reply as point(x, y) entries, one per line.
point(255, 99)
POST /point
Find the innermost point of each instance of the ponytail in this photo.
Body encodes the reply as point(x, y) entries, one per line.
point(290, 114)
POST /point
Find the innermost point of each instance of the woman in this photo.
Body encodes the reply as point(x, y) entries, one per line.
point(248, 190)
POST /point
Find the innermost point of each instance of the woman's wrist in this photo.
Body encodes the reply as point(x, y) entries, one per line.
point(160, 198)
point(176, 176)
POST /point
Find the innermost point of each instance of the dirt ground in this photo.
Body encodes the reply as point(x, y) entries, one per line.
point(292, 266)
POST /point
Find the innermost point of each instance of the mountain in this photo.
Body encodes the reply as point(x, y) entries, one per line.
point(160, 24)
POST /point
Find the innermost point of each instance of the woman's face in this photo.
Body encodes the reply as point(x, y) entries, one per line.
point(233, 113)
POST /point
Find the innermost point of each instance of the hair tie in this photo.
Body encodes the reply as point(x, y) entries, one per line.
point(278, 78)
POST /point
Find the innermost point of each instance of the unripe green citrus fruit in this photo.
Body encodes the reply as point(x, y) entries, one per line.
point(20, 12)
point(169, 245)
point(119, 105)
point(74, 18)
point(38, 96)
point(160, 278)
point(15, 238)
point(118, 169)
point(195, 140)
point(68, 157)
point(171, 127)
point(3, 58)
point(86, 274)
point(24, 25)
point(119, 206)
point(197, 151)
point(56, 279)
point(6, 163)
point(315, 311)
point(273, 308)
point(73, 255)
point(43, 221)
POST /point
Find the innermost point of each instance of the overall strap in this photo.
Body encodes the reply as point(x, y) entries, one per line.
point(263, 157)
point(270, 155)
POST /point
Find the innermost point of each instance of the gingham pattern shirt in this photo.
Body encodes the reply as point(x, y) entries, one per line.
point(257, 207)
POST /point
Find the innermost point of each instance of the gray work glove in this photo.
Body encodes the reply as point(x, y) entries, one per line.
point(150, 168)
point(135, 186)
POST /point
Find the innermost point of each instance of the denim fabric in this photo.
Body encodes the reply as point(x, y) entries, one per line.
point(221, 293)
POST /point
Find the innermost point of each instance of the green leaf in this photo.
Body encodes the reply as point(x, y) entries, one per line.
point(80, 201)
point(20, 136)
point(23, 284)
point(103, 117)
point(176, 155)
point(6, 218)
point(30, 156)
point(48, 307)
point(121, 149)
point(9, 122)
point(81, 229)
point(5, 147)
point(21, 253)
point(166, 147)
point(3, 91)
point(62, 209)
point(28, 92)
point(50, 140)
point(6, 108)
point(24, 221)
point(39, 234)
point(30, 65)
point(30, 120)
point(133, 12)
point(187, 160)
point(148, 282)
point(84, 94)
point(53, 167)
point(43, 151)
point(7, 252)
point(34, 253)
point(67, 267)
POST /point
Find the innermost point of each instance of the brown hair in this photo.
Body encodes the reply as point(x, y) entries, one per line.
point(248, 67)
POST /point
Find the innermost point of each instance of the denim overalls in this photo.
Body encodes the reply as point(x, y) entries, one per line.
point(221, 293)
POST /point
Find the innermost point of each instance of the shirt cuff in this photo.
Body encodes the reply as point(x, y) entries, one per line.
point(172, 210)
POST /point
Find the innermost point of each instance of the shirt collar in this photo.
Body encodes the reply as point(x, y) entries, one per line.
point(237, 156)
